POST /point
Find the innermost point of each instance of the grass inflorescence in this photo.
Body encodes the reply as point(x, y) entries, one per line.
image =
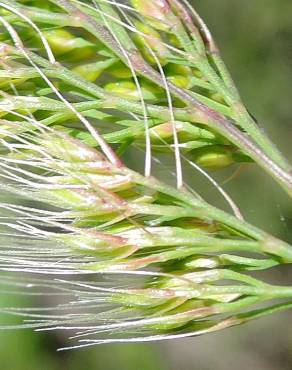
point(82, 83)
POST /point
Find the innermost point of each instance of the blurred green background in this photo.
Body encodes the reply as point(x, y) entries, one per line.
point(255, 37)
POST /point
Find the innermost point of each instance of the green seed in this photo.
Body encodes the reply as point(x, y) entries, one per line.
point(153, 41)
point(128, 89)
point(214, 157)
point(92, 71)
point(120, 70)
point(158, 13)
point(63, 42)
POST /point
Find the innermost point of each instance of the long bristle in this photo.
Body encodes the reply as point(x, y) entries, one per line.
point(129, 257)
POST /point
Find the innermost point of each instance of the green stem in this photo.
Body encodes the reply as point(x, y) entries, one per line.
point(281, 169)
point(218, 121)
point(242, 318)
point(265, 292)
point(224, 86)
point(263, 312)
point(212, 118)
point(269, 243)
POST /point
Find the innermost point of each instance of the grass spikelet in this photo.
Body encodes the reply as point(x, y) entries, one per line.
point(134, 258)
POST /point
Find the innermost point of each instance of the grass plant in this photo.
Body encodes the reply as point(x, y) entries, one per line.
point(134, 258)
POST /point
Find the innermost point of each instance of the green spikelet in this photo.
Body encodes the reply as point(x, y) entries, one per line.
point(84, 91)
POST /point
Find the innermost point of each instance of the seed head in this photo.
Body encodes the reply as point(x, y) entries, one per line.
point(82, 94)
point(158, 12)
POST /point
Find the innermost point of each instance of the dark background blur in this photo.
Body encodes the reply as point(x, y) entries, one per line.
point(255, 37)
